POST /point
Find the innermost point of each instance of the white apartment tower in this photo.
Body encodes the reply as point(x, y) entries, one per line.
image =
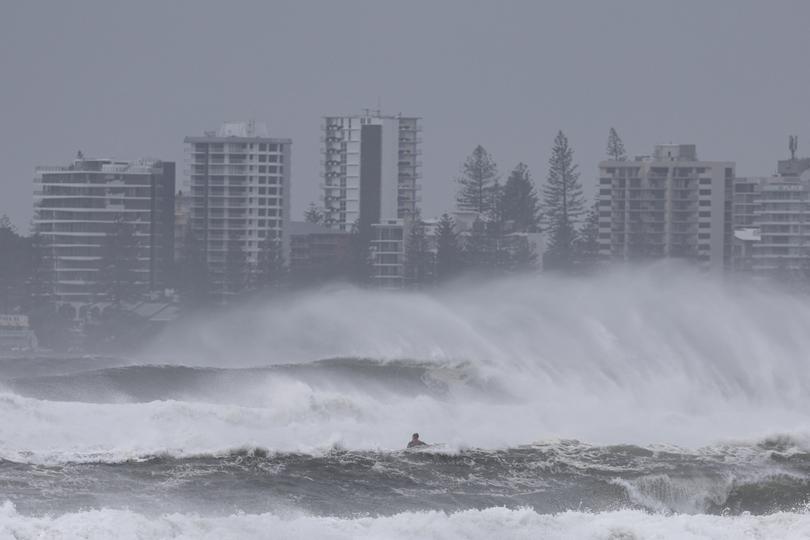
point(77, 210)
point(239, 184)
point(371, 169)
point(782, 217)
point(669, 204)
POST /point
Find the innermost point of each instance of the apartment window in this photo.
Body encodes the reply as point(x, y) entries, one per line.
point(262, 147)
point(705, 203)
point(262, 223)
point(705, 192)
point(705, 214)
point(605, 181)
point(605, 191)
point(704, 236)
point(705, 225)
point(262, 191)
point(705, 181)
point(262, 158)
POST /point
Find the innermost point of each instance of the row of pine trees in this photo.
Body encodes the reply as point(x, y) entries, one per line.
point(515, 206)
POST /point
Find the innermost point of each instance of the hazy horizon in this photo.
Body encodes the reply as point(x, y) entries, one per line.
point(132, 80)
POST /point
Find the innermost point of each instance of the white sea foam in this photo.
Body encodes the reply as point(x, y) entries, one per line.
point(664, 355)
point(470, 525)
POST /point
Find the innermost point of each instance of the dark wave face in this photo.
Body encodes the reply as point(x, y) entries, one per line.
point(143, 383)
point(547, 478)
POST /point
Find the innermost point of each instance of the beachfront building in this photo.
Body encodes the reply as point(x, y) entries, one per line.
point(371, 169)
point(103, 222)
point(239, 184)
point(667, 205)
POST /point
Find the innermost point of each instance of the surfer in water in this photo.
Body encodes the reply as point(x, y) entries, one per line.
point(415, 441)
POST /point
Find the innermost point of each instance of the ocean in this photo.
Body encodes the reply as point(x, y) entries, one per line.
point(649, 404)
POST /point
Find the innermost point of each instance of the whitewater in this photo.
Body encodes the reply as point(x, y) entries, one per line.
point(647, 403)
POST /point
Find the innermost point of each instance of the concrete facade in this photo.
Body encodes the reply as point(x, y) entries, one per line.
point(239, 184)
point(371, 169)
point(666, 205)
point(76, 210)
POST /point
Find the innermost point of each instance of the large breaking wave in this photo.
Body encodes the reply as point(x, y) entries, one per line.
point(703, 383)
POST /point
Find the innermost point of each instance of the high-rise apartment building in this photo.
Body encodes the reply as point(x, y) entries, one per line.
point(79, 208)
point(371, 169)
point(669, 204)
point(239, 183)
point(783, 219)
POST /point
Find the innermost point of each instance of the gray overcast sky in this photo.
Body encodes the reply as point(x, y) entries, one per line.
point(131, 79)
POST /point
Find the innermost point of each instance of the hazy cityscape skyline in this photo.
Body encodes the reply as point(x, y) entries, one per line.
point(81, 80)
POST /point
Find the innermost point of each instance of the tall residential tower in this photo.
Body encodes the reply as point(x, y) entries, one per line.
point(240, 199)
point(371, 169)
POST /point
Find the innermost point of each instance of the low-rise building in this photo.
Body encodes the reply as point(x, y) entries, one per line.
point(81, 207)
point(318, 254)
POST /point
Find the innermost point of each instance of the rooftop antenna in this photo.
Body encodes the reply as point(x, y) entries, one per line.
point(793, 145)
point(379, 106)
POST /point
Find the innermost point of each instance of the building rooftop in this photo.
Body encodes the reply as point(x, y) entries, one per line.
point(236, 131)
point(105, 165)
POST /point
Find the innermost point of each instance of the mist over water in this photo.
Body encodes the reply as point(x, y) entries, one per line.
point(654, 355)
point(570, 403)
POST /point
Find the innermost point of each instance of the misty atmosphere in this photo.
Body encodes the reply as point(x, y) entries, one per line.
point(447, 270)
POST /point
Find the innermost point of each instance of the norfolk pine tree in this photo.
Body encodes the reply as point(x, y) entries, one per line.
point(117, 276)
point(418, 258)
point(562, 205)
point(478, 176)
point(589, 238)
point(615, 147)
point(449, 260)
point(519, 200)
point(270, 267)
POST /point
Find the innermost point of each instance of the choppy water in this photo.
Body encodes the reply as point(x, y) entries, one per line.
point(597, 417)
